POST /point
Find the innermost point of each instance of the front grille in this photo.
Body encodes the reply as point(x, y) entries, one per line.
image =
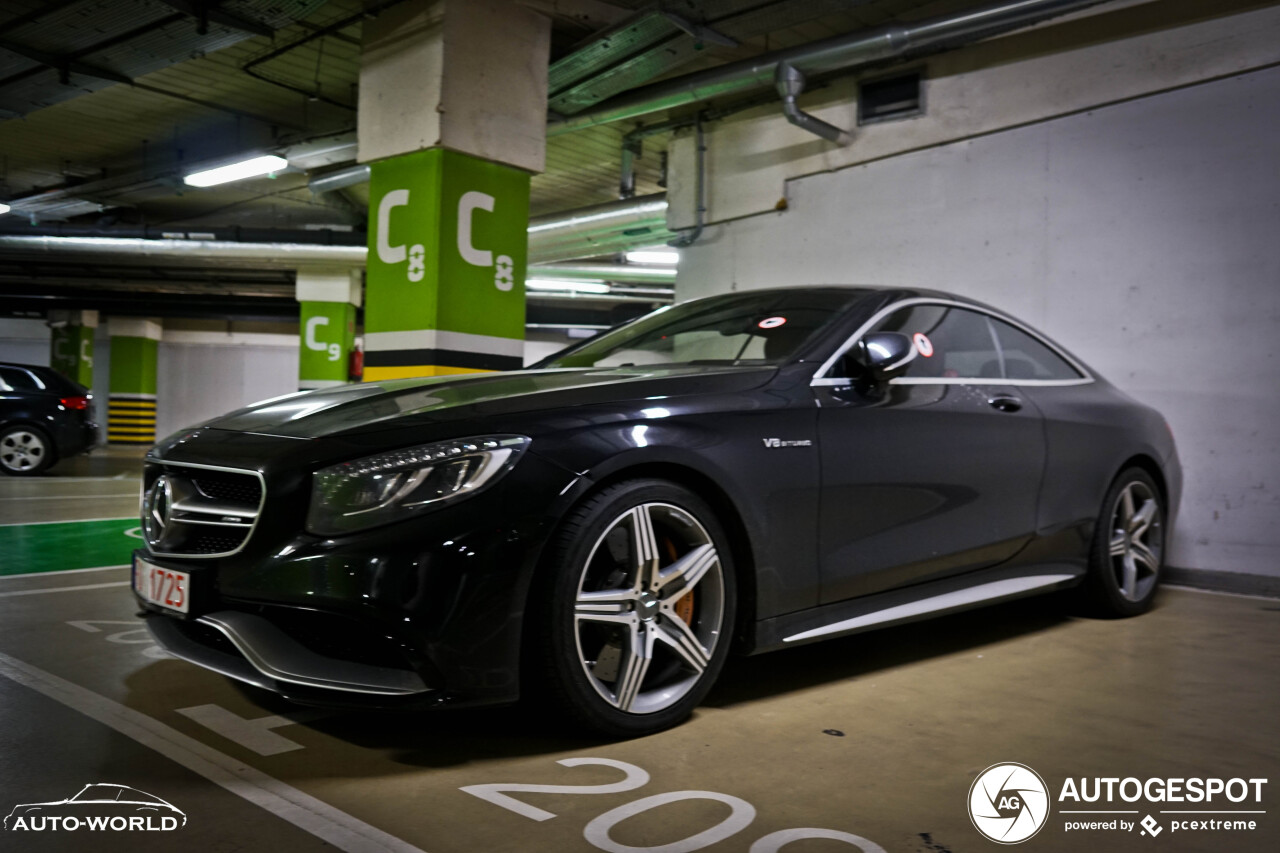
point(207, 544)
point(229, 487)
point(199, 510)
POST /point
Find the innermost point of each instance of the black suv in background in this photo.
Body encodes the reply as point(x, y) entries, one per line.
point(44, 417)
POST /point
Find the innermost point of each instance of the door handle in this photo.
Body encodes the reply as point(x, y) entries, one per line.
point(1005, 403)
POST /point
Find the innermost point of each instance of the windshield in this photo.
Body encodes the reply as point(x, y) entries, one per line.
point(762, 327)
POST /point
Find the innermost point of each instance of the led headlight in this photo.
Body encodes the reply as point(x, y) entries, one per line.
point(390, 486)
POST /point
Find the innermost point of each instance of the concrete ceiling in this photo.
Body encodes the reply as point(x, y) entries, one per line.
point(104, 106)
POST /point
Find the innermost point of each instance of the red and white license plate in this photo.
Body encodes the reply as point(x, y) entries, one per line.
point(161, 586)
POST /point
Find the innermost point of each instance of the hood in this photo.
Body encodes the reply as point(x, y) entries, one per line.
point(402, 402)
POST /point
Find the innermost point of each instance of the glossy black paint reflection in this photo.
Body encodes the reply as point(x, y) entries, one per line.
point(840, 492)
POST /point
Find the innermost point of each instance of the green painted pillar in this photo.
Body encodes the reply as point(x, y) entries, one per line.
point(71, 344)
point(326, 326)
point(131, 404)
point(445, 275)
point(452, 123)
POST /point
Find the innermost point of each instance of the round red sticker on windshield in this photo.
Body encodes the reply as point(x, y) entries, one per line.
point(924, 346)
point(772, 322)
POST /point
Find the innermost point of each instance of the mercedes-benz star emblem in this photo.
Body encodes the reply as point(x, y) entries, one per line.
point(157, 507)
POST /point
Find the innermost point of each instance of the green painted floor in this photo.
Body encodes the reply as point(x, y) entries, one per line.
point(63, 545)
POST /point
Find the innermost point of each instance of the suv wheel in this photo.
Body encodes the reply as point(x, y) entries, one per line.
point(24, 451)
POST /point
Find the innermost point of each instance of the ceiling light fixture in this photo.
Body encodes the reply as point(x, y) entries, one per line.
point(254, 168)
point(669, 257)
point(558, 284)
point(4, 208)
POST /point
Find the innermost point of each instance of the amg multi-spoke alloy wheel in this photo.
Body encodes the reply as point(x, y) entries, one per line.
point(24, 451)
point(1128, 546)
point(641, 611)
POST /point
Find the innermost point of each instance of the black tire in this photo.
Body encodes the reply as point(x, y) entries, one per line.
point(600, 605)
point(25, 451)
point(1127, 552)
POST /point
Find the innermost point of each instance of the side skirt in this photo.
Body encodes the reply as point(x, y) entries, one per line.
point(914, 603)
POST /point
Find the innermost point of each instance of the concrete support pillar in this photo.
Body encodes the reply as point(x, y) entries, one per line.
point(327, 325)
point(452, 122)
point(131, 405)
point(71, 345)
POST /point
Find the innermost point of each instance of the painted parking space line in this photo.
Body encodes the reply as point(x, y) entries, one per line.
point(62, 589)
point(64, 572)
point(26, 498)
point(41, 548)
point(317, 817)
point(63, 521)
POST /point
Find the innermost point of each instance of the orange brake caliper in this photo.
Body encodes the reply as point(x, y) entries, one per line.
point(684, 606)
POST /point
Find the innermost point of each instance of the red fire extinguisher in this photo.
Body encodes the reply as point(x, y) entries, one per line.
point(355, 364)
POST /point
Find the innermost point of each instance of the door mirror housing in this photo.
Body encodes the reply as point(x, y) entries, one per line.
point(884, 355)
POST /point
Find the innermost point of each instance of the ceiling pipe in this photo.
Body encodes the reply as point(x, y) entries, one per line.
point(331, 181)
point(790, 83)
point(606, 272)
point(691, 235)
point(633, 149)
point(610, 216)
point(216, 252)
point(599, 247)
point(838, 52)
point(587, 232)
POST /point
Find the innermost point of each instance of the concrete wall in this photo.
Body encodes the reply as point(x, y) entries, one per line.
point(25, 341)
point(1142, 235)
point(199, 377)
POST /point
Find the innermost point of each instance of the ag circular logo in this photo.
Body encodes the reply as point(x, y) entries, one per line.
point(1008, 803)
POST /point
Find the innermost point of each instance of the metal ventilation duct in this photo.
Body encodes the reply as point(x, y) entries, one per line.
point(62, 50)
point(845, 51)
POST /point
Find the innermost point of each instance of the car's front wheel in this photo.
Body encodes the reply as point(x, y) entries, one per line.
point(636, 617)
point(1128, 546)
point(24, 451)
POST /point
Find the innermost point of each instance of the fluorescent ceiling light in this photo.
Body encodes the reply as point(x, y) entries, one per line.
point(237, 171)
point(654, 256)
point(559, 284)
point(4, 208)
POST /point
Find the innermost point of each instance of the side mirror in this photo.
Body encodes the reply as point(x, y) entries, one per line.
point(885, 355)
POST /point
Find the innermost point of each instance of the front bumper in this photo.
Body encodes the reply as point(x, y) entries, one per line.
point(264, 656)
point(426, 612)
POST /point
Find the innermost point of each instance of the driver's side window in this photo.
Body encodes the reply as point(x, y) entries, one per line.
point(950, 342)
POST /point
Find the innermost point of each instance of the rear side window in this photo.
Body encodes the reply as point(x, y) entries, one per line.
point(1025, 357)
point(17, 379)
point(951, 343)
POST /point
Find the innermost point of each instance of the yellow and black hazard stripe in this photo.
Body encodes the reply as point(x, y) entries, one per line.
point(400, 364)
point(131, 419)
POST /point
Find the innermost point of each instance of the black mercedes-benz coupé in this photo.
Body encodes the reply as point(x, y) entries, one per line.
point(751, 471)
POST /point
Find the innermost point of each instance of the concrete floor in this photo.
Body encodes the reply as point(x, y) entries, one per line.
point(872, 740)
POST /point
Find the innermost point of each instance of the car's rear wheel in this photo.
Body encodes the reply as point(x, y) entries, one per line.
point(24, 451)
point(1128, 546)
point(636, 618)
